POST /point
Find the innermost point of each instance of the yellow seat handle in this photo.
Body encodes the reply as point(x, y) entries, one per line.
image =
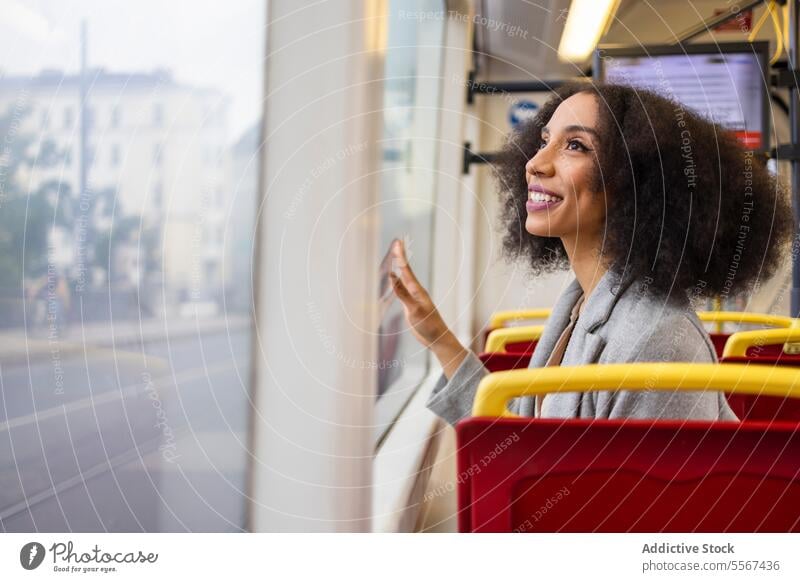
point(499, 338)
point(495, 390)
point(500, 318)
point(766, 319)
point(738, 344)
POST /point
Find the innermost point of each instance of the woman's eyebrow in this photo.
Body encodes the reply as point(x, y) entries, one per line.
point(573, 128)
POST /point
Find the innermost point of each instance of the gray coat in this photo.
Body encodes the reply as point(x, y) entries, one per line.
point(620, 323)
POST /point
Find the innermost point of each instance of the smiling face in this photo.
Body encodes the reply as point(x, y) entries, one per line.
point(565, 194)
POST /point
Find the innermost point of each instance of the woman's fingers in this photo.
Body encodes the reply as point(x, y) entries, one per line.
point(400, 289)
point(422, 317)
point(400, 251)
point(407, 275)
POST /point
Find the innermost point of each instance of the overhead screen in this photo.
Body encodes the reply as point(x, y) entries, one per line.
point(725, 82)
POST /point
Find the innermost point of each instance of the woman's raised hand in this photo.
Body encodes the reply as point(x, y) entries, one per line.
point(421, 314)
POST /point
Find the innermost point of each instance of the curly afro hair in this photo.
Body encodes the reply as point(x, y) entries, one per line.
point(688, 207)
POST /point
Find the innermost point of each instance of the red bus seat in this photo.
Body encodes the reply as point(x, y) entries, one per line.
point(763, 348)
point(754, 351)
point(511, 347)
point(500, 319)
point(584, 475)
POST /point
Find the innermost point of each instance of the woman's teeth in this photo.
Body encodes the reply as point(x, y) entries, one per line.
point(540, 197)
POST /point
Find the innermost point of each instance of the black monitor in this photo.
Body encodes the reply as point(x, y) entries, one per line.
point(726, 82)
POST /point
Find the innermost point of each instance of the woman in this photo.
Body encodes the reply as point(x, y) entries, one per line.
point(651, 206)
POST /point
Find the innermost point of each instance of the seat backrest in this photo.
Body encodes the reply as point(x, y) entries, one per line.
point(764, 408)
point(500, 361)
point(762, 348)
point(577, 475)
point(719, 339)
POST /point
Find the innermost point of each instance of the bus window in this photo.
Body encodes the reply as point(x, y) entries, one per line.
point(412, 79)
point(125, 313)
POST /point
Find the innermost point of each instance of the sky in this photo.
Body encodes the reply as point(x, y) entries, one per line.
point(211, 43)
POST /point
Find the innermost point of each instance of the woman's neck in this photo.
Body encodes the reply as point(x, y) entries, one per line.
point(586, 265)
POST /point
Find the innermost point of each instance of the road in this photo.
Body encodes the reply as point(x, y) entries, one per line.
point(127, 437)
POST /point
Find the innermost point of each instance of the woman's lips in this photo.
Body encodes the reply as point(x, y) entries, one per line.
point(535, 206)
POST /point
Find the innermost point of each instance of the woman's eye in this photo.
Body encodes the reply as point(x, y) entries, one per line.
point(578, 146)
point(542, 145)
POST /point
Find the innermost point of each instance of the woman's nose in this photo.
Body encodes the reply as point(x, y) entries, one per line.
point(539, 164)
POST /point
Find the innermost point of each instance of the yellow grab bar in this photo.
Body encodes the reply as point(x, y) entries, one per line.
point(744, 317)
point(495, 390)
point(738, 344)
point(500, 318)
point(717, 304)
point(497, 340)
